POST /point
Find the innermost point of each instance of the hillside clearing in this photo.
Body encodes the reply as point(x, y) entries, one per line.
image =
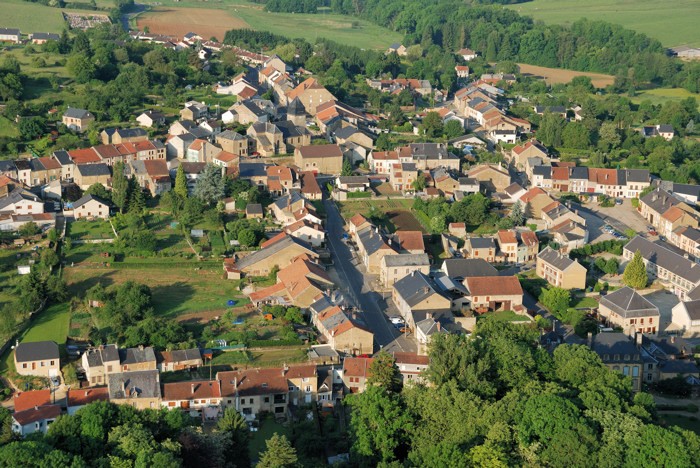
point(560, 75)
point(179, 21)
point(34, 17)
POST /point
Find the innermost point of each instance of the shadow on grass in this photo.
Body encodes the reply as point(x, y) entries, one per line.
point(169, 299)
point(79, 288)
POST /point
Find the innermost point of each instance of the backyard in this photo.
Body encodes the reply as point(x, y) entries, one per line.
point(84, 230)
point(392, 214)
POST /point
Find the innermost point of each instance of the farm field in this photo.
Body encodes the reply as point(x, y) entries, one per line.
point(178, 18)
point(559, 75)
point(662, 95)
point(33, 17)
point(673, 22)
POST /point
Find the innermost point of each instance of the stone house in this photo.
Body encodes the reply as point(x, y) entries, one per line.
point(560, 271)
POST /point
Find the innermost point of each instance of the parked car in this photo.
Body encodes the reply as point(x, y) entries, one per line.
point(395, 319)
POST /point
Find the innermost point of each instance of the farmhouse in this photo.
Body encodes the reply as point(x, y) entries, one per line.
point(35, 419)
point(90, 207)
point(253, 391)
point(298, 283)
point(278, 253)
point(89, 174)
point(395, 267)
point(342, 330)
point(77, 119)
point(150, 119)
point(37, 358)
point(485, 294)
point(560, 271)
point(43, 38)
point(323, 159)
point(310, 94)
point(140, 389)
point(416, 297)
point(10, 35)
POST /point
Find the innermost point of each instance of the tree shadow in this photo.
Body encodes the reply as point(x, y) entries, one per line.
point(79, 288)
point(167, 299)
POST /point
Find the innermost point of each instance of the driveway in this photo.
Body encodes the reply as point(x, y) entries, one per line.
point(621, 217)
point(359, 287)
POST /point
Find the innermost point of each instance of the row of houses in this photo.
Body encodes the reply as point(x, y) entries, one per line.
point(14, 35)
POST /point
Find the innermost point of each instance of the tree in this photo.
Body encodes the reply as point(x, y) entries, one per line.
point(517, 214)
point(555, 299)
point(29, 229)
point(432, 125)
point(246, 237)
point(137, 200)
point(384, 373)
point(609, 136)
point(98, 190)
point(120, 187)
point(419, 184)
point(181, 182)
point(550, 130)
point(453, 129)
point(278, 454)
point(635, 275)
point(347, 168)
point(234, 427)
point(210, 186)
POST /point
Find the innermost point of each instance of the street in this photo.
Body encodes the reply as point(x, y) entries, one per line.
point(358, 289)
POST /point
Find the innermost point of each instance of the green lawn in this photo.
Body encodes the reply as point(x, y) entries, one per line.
point(50, 325)
point(584, 302)
point(98, 229)
point(33, 17)
point(8, 128)
point(268, 427)
point(506, 316)
point(685, 422)
point(673, 22)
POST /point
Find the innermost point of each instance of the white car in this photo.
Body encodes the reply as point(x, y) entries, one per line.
point(396, 320)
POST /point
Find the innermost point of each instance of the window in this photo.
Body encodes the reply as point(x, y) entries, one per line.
point(267, 399)
point(53, 363)
point(626, 370)
point(42, 363)
point(635, 371)
point(109, 368)
point(308, 389)
point(24, 366)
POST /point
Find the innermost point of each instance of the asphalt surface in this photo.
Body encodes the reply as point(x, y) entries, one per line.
point(357, 287)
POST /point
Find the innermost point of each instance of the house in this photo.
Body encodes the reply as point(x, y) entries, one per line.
point(462, 71)
point(458, 230)
point(100, 361)
point(21, 202)
point(556, 213)
point(278, 253)
point(77, 398)
point(372, 246)
point(416, 297)
point(309, 186)
point(293, 136)
point(31, 399)
point(194, 111)
point(89, 174)
point(458, 269)
point(664, 131)
point(139, 389)
point(356, 372)
point(411, 367)
point(666, 212)
point(351, 134)
point(179, 359)
point(481, 247)
point(429, 156)
point(467, 54)
point(627, 309)
point(233, 142)
point(40, 358)
point(300, 283)
point(281, 180)
point(687, 239)
point(619, 353)
point(491, 177)
point(556, 110)
point(114, 136)
point(226, 159)
point(150, 119)
point(202, 396)
point(245, 112)
point(569, 235)
point(202, 151)
point(357, 223)
point(402, 177)
point(256, 173)
point(560, 271)
point(395, 267)
point(352, 183)
point(528, 246)
point(685, 192)
point(307, 231)
point(293, 207)
point(36, 419)
point(152, 175)
point(254, 211)
point(445, 183)
point(686, 315)
point(266, 139)
point(409, 241)
point(519, 154)
point(469, 185)
point(679, 273)
point(137, 359)
point(310, 94)
point(10, 35)
point(323, 159)
point(255, 391)
point(91, 207)
point(485, 294)
point(398, 49)
point(14, 222)
point(302, 382)
point(425, 330)
point(77, 119)
point(344, 331)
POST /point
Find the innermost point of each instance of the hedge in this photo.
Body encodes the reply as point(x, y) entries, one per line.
point(359, 194)
point(272, 343)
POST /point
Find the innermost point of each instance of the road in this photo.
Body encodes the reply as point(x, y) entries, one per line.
point(357, 286)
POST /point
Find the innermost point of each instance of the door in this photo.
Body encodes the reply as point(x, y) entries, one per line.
point(33, 365)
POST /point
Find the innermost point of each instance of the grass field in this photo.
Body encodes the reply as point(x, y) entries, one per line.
point(673, 22)
point(559, 75)
point(268, 427)
point(662, 95)
point(98, 229)
point(33, 17)
point(239, 14)
point(682, 421)
point(50, 325)
point(398, 213)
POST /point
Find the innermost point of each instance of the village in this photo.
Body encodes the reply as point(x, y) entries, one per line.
point(379, 249)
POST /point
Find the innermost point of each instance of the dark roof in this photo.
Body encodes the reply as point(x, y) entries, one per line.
point(86, 198)
point(136, 384)
point(62, 157)
point(289, 130)
point(545, 171)
point(76, 113)
point(628, 303)
point(246, 170)
point(461, 268)
point(22, 164)
point(678, 366)
point(36, 351)
point(9, 31)
point(559, 261)
point(415, 288)
point(693, 308)
point(430, 151)
point(346, 132)
point(270, 250)
point(578, 173)
point(665, 258)
point(687, 189)
point(665, 128)
point(609, 345)
point(289, 199)
point(406, 260)
point(296, 107)
point(482, 242)
point(320, 151)
point(371, 240)
point(254, 208)
point(180, 355)
point(45, 36)
point(136, 355)
point(92, 170)
point(96, 357)
point(636, 175)
point(230, 135)
point(126, 132)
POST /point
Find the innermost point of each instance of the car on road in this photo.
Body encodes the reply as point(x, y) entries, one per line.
point(395, 319)
point(55, 381)
point(618, 201)
point(403, 329)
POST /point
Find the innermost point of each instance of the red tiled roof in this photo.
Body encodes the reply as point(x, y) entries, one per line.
point(32, 398)
point(80, 397)
point(299, 372)
point(529, 238)
point(358, 220)
point(672, 214)
point(156, 167)
point(83, 156)
point(309, 185)
point(486, 286)
point(253, 382)
point(507, 237)
point(320, 151)
point(602, 176)
point(192, 390)
point(411, 358)
point(411, 240)
point(271, 241)
point(226, 157)
point(49, 163)
point(560, 173)
point(356, 367)
point(531, 194)
point(37, 414)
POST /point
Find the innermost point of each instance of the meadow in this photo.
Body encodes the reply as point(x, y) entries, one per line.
point(33, 17)
point(240, 14)
point(673, 22)
point(663, 95)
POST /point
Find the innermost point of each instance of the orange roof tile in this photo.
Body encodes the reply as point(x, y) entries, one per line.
point(202, 389)
point(357, 367)
point(25, 400)
point(411, 240)
point(84, 156)
point(271, 241)
point(529, 238)
point(673, 214)
point(80, 397)
point(507, 237)
point(251, 382)
point(560, 173)
point(486, 286)
point(411, 358)
point(531, 194)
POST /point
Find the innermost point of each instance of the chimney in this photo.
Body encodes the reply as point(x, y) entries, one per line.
point(124, 388)
point(36, 408)
point(638, 338)
point(438, 325)
point(285, 368)
point(589, 339)
point(673, 339)
point(140, 347)
point(192, 387)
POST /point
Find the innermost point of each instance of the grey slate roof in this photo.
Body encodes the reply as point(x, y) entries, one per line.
point(610, 345)
point(62, 157)
point(16, 195)
point(247, 170)
point(36, 351)
point(270, 250)
point(554, 258)
point(467, 181)
point(126, 132)
point(346, 132)
point(663, 257)
point(353, 180)
point(628, 303)
point(289, 130)
point(45, 36)
point(185, 354)
point(76, 113)
point(482, 242)
point(635, 175)
point(254, 208)
point(460, 268)
point(321, 304)
point(296, 107)
point(138, 384)
point(136, 355)
point(415, 288)
point(407, 260)
point(692, 234)
point(290, 198)
point(230, 135)
point(687, 189)
point(93, 170)
point(371, 240)
point(96, 357)
point(9, 31)
point(544, 171)
point(430, 151)
point(665, 128)
point(578, 173)
point(86, 198)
